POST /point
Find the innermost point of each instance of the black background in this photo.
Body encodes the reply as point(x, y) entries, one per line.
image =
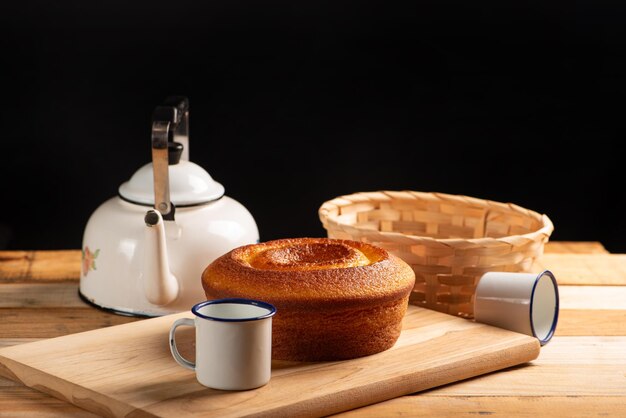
point(294, 103)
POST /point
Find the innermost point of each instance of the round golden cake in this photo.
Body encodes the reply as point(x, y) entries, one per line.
point(335, 299)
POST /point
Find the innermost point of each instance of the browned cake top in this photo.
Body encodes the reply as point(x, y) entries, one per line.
point(303, 271)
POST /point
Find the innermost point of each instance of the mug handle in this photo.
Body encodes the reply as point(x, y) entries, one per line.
point(180, 359)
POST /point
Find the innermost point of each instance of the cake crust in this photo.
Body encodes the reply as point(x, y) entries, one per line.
point(335, 299)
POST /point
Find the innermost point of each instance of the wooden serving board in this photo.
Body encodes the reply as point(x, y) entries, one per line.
point(127, 370)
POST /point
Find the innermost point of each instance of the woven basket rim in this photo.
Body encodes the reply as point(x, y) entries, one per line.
point(546, 229)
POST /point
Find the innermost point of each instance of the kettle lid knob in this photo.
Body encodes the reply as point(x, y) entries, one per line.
point(174, 152)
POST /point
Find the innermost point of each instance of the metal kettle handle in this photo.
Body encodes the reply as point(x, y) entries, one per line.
point(170, 125)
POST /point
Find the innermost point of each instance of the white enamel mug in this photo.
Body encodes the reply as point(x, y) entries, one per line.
point(233, 343)
point(527, 303)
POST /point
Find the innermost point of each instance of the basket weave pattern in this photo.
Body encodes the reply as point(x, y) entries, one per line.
point(450, 241)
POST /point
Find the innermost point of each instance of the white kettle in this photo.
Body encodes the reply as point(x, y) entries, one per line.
point(144, 251)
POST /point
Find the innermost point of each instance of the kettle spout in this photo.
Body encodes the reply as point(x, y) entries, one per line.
point(160, 285)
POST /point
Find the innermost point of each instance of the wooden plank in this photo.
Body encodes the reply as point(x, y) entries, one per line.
point(8, 342)
point(591, 322)
point(48, 323)
point(4, 383)
point(574, 380)
point(567, 366)
point(592, 297)
point(569, 357)
point(428, 405)
point(118, 370)
point(40, 295)
point(575, 247)
point(25, 266)
point(585, 269)
point(20, 401)
point(552, 386)
point(17, 400)
point(587, 350)
point(592, 310)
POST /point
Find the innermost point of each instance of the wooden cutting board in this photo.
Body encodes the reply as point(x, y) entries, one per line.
point(127, 370)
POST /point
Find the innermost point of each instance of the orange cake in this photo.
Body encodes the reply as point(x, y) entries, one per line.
point(335, 299)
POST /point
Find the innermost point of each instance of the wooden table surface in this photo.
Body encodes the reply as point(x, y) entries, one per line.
point(581, 372)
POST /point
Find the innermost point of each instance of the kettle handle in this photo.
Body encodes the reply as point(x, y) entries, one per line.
point(170, 125)
point(175, 110)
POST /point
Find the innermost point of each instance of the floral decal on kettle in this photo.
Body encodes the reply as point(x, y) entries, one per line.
point(89, 260)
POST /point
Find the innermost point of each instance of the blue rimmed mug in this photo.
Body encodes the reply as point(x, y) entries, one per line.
point(527, 303)
point(233, 343)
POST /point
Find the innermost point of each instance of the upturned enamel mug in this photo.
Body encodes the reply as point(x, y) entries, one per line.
point(527, 303)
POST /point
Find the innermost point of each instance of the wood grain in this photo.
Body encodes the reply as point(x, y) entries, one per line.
point(40, 295)
point(585, 269)
point(427, 405)
point(599, 353)
point(592, 297)
point(118, 370)
point(570, 371)
point(48, 323)
point(591, 322)
point(8, 342)
point(23, 402)
point(564, 356)
point(51, 266)
point(575, 247)
point(567, 366)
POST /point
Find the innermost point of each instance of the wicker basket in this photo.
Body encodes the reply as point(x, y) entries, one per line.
point(449, 240)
